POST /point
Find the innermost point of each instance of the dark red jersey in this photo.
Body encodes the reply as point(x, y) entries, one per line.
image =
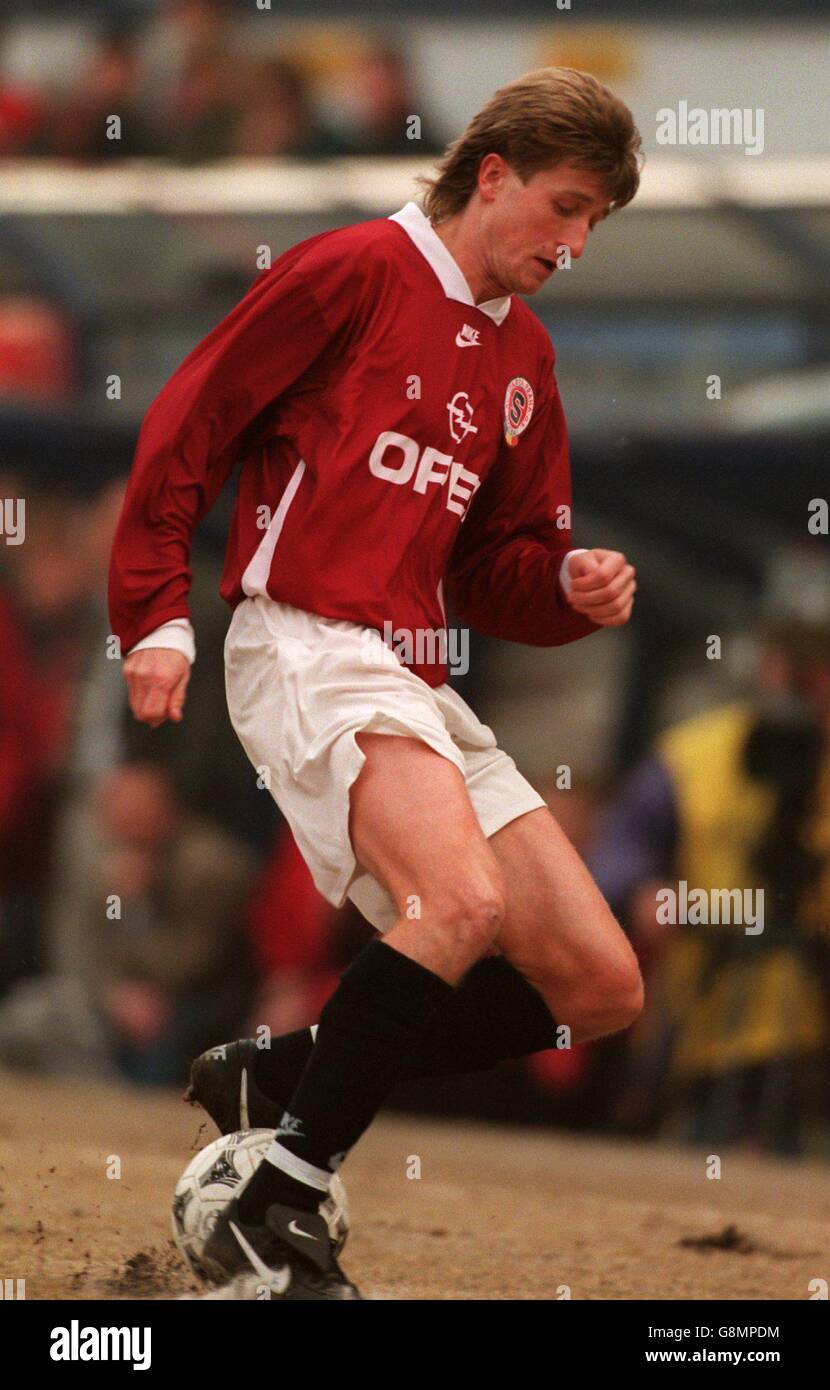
point(395, 442)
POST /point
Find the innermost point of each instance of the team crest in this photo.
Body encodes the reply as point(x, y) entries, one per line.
point(518, 408)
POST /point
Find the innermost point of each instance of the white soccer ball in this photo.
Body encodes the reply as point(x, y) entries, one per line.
point(216, 1174)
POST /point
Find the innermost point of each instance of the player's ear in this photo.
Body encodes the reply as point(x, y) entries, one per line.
point(492, 176)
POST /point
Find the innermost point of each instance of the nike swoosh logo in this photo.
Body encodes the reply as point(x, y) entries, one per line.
point(276, 1279)
point(292, 1226)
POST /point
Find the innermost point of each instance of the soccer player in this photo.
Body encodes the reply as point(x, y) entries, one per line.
point(391, 405)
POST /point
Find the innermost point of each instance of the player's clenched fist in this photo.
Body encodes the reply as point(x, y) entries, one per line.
point(602, 586)
point(157, 680)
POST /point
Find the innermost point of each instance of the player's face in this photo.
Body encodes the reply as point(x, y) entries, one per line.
point(526, 225)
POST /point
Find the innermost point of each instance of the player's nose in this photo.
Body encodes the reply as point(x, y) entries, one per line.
point(577, 238)
point(576, 241)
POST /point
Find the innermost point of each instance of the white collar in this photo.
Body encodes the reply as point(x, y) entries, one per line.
point(419, 228)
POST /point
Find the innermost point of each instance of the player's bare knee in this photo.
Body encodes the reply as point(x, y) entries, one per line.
point(471, 914)
point(607, 999)
point(629, 998)
point(617, 988)
point(624, 997)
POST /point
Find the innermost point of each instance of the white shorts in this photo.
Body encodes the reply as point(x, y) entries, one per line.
point(300, 687)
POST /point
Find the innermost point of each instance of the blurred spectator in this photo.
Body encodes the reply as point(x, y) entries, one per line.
point(22, 114)
point(278, 118)
point(222, 786)
point(64, 727)
point(80, 124)
point(382, 105)
point(35, 350)
point(176, 30)
point(24, 768)
point(183, 87)
point(300, 942)
point(199, 23)
point(200, 121)
point(173, 972)
point(736, 1025)
point(44, 619)
point(575, 810)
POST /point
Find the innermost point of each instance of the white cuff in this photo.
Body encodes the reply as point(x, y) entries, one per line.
point(177, 635)
point(565, 569)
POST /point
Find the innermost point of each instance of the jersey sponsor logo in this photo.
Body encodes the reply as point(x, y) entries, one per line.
point(398, 459)
point(518, 408)
point(468, 336)
point(460, 412)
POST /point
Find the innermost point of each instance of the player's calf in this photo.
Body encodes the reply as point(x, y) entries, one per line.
point(492, 1016)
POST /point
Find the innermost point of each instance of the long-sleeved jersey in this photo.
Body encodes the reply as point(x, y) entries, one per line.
point(395, 442)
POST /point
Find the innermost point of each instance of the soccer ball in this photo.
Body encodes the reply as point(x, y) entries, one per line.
point(216, 1174)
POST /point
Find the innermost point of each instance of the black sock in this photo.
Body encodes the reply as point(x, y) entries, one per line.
point(493, 1015)
point(367, 1030)
point(278, 1067)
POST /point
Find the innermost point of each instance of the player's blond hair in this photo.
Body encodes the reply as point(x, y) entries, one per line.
point(548, 117)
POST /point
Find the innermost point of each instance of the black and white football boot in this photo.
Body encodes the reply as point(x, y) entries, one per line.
point(222, 1081)
point(289, 1257)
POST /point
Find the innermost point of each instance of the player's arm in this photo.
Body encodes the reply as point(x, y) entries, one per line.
point(513, 572)
point(189, 442)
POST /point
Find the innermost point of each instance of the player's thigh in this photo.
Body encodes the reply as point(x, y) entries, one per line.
point(558, 929)
point(412, 826)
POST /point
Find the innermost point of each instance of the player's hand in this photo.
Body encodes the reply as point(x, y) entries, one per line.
point(157, 679)
point(602, 586)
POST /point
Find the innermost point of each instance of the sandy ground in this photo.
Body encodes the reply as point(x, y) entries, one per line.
point(496, 1213)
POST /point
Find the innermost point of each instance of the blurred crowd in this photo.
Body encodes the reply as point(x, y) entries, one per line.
point(193, 84)
point(151, 898)
point(734, 1043)
point(153, 903)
